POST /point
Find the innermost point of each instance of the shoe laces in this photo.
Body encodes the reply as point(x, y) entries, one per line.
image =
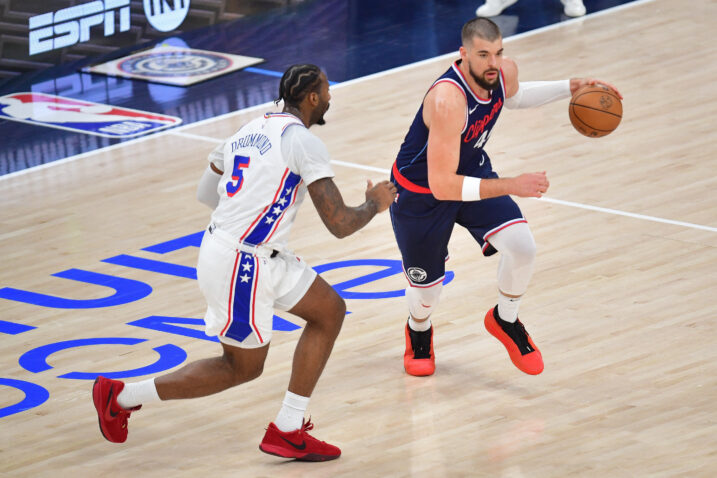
point(420, 343)
point(306, 426)
point(520, 336)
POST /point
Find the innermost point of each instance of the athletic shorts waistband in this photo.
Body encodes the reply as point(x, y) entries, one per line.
point(260, 250)
point(406, 184)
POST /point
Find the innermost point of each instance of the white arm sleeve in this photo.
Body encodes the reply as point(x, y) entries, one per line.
point(536, 93)
point(306, 154)
point(207, 190)
point(216, 157)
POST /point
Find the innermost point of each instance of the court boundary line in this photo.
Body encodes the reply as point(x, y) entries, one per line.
point(248, 109)
point(562, 202)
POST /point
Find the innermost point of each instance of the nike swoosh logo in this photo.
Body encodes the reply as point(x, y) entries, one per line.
point(298, 447)
point(470, 112)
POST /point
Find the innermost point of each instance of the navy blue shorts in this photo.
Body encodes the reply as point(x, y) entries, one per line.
point(423, 226)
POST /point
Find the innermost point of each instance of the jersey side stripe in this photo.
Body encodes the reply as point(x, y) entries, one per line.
point(267, 222)
point(261, 214)
point(294, 195)
point(242, 322)
point(255, 286)
point(231, 295)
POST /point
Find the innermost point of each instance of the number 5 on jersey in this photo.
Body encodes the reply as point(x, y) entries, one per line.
point(240, 162)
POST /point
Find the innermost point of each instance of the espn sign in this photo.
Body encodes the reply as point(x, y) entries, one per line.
point(68, 26)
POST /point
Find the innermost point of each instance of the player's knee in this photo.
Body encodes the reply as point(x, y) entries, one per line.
point(243, 369)
point(339, 313)
point(516, 242)
point(332, 314)
point(524, 250)
point(341, 308)
point(251, 371)
point(423, 300)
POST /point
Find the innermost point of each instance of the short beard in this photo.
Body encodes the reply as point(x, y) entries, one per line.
point(482, 82)
point(321, 121)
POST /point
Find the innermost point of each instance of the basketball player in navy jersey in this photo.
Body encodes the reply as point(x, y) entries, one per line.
point(444, 177)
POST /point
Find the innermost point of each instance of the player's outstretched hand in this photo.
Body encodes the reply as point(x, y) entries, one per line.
point(531, 185)
point(381, 194)
point(577, 83)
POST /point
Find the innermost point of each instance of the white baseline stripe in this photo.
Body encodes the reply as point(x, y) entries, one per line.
point(197, 137)
point(361, 166)
point(628, 214)
point(570, 204)
point(544, 198)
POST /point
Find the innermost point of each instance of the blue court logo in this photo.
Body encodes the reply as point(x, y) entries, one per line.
point(166, 15)
point(174, 63)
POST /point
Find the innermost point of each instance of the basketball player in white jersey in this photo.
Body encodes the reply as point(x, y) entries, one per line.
point(255, 182)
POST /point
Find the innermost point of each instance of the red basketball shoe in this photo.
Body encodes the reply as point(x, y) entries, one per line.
point(521, 349)
point(297, 444)
point(419, 360)
point(112, 417)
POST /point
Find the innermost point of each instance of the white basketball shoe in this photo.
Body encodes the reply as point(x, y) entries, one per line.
point(573, 8)
point(492, 8)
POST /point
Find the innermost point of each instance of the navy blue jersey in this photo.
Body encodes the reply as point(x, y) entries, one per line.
point(422, 224)
point(411, 166)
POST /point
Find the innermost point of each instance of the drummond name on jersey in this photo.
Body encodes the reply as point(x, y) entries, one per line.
point(256, 140)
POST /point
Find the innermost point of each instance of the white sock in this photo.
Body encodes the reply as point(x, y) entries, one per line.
point(508, 307)
point(135, 394)
point(291, 415)
point(417, 326)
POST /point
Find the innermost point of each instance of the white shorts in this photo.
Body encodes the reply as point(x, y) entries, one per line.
point(243, 288)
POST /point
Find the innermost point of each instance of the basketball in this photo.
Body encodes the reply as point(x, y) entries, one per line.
point(595, 110)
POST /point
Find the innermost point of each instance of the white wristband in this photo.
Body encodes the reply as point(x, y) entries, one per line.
point(471, 189)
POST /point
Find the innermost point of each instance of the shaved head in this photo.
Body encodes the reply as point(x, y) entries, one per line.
point(479, 27)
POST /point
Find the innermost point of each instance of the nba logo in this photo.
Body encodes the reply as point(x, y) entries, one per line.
point(82, 116)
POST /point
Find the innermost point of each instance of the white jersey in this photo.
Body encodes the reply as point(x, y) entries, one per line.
point(267, 165)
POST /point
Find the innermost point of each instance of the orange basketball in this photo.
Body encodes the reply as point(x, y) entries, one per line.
point(595, 110)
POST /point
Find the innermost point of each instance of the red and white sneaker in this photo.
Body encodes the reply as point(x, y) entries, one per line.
point(521, 349)
point(112, 417)
point(418, 359)
point(297, 444)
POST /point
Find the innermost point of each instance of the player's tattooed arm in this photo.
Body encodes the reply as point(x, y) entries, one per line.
point(342, 220)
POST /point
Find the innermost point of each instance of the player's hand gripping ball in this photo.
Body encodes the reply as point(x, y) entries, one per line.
point(595, 110)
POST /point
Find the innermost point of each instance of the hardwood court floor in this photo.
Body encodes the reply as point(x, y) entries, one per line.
point(622, 306)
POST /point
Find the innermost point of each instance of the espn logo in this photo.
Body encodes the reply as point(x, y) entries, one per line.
point(63, 28)
point(54, 30)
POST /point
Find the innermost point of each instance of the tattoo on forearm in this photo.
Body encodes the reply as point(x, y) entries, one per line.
point(339, 219)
